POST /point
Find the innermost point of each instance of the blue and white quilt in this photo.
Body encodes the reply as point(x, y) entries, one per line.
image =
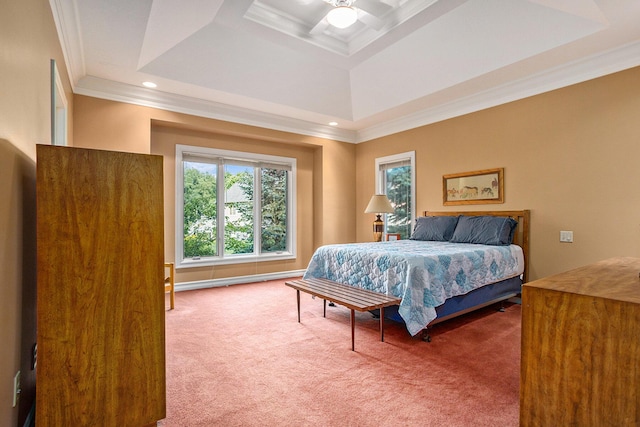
point(423, 274)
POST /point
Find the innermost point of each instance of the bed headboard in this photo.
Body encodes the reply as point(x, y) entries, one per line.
point(521, 237)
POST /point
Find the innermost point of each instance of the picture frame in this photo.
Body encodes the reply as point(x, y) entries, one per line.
point(391, 237)
point(477, 187)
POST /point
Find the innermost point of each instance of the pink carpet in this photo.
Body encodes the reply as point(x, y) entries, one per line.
point(236, 356)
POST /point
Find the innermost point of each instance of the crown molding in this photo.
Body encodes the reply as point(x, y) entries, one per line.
point(121, 92)
point(622, 58)
point(619, 59)
point(65, 16)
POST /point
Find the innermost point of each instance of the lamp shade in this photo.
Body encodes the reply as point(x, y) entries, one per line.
point(342, 16)
point(379, 203)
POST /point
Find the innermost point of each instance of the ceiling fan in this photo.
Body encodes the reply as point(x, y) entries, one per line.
point(344, 14)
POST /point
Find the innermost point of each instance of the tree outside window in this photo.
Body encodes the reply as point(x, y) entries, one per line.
point(274, 210)
point(200, 212)
point(398, 186)
point(396, 178)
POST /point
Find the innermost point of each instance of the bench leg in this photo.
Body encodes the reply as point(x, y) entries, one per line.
point(353, 330)
point(382, 324)
point(324, 313)
point(298, 298)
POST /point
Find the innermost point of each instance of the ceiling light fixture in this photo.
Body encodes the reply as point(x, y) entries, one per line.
point(149, 84)
point(343, 15)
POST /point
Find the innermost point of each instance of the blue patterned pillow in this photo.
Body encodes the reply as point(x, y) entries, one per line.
point(438, 228)
point(485, 230)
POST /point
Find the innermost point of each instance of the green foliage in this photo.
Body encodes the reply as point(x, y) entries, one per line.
point(238, 233)
point(399, 193)
point(238, 238)
point(200, 212)
point(199, 244)
point(274, 210)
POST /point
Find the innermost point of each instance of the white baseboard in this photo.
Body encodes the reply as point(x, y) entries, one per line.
point(215, 283)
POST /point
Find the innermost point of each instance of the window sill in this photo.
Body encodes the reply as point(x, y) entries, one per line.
point(229, 260)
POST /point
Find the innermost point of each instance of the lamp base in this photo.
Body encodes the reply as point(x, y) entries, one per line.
point(378, 228)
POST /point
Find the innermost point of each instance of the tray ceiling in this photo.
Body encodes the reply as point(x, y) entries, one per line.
point(279, 64)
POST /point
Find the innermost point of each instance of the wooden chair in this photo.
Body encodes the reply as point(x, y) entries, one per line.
point(169, 283)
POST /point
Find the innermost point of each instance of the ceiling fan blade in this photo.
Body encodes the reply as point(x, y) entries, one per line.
point(393, 3)
point(373, 7)
point(370, 20)
point(319, 27)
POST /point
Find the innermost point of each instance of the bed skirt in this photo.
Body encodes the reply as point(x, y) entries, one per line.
point(461, 304)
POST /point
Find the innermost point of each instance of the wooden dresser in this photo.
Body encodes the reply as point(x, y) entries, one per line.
point(581, 347)
point(101, 345)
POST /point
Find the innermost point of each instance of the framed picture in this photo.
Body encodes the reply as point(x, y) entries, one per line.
point(478, 187)
point(393, 236)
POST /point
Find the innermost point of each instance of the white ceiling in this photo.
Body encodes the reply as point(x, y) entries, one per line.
point(278, 64)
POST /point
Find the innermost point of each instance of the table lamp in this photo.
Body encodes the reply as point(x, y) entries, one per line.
point(379, 204)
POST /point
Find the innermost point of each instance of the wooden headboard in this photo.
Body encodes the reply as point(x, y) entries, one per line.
point(521, 237)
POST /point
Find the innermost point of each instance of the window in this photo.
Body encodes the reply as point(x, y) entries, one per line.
point(395, 177)
point(233, 207)
point(58, 108)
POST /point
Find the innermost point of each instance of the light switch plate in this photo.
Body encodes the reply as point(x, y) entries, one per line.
point(566, 236)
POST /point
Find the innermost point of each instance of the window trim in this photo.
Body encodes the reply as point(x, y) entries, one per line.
point(59, 108)
point(379, 180)
point(259, 160)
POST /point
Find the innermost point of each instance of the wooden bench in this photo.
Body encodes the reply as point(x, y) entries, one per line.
point(351, 297)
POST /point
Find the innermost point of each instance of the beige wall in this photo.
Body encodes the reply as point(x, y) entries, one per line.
point(28, 41)
point(570, 156)
point(325, 186)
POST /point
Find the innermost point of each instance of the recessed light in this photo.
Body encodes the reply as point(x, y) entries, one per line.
point(333, 123)
point(149, 84)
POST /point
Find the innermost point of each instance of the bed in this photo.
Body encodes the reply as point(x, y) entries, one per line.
point(454, 262)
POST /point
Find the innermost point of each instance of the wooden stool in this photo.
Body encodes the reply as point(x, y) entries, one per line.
point(169, 283)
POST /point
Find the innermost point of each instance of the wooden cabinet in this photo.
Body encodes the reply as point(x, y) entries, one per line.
point(581, 347)
point(101, 345)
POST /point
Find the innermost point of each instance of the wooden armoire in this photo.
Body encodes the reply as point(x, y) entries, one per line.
point(100, 237)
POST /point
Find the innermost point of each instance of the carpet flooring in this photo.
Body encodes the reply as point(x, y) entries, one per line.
point(237, 356)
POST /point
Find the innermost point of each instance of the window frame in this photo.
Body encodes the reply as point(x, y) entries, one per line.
point(381, 184)
point(253, 158)
point(59, 108)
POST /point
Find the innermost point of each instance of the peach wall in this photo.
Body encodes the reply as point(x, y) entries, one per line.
point(111, 125)
point(326, 177)
point(560, 150)
point(338, 193)
point(28, 41)
point(570, 156)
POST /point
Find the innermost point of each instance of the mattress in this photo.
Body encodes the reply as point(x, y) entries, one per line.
point(422, 274)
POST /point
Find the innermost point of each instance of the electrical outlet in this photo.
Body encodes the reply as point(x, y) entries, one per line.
point(16, 389)
point(566, 236)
